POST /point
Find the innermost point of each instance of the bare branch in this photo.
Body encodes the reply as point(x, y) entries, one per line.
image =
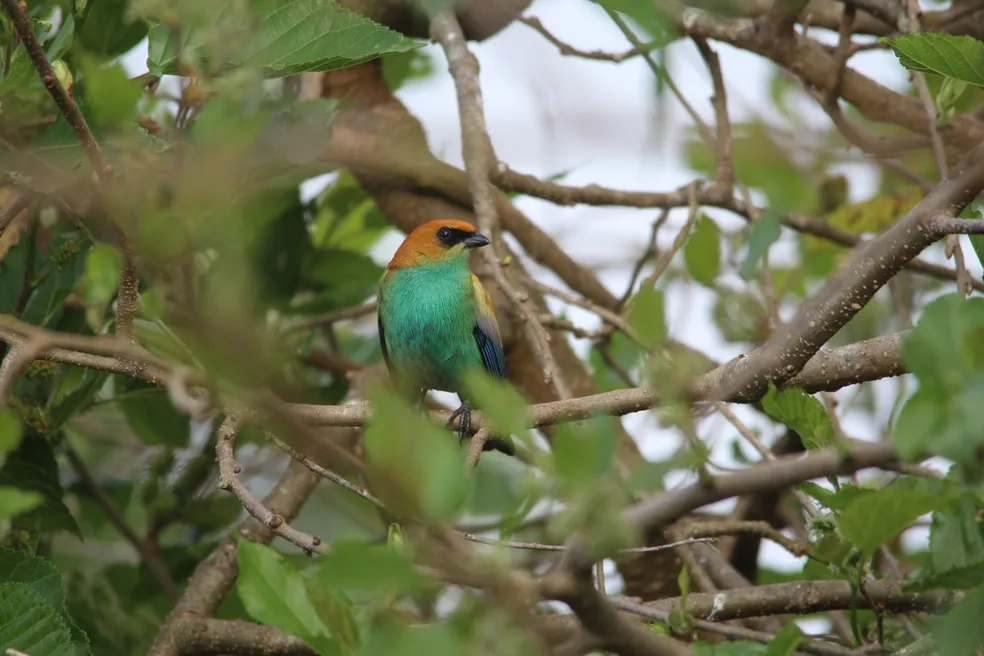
point(947, 225)
point(568, 50)
point(205, 637)
point(229, 471)
point(479, 159)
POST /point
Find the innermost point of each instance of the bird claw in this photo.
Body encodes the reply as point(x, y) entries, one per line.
point(464, 425)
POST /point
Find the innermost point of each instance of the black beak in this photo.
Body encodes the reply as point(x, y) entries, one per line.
point(476, 241)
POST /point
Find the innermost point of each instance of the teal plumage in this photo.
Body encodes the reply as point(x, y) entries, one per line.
point(436, 320)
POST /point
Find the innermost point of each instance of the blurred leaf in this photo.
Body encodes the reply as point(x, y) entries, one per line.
point(103, 267)
point(505, 407)
point(786, 641)
point(961, 632)
point(414, 465)
point(21, 74)
point(73, 402)
point(11, 432)
point(702, 252)
point(274, 592)
point(348, 217)
point(945, 352)
point(409, 66)
point(870, 521)
point(343, 279)
point(624, 352)
point(299, 133)
point(32, 467)
point(740, 316)
point(838, 499)
point(764, 233)
point(435, 639)
point(30, 625)
point(294, 36)
point(15, 502)
point(731, 648)
point(960, 57)
point(645, 315)
point(105, 29)
point(876, 214)
point(371, 567)
point(150, 413)
point(111, 93)
point(496, 487)
point(802, 413)
point(583, 452)
point(956, 549)
point(338, 614)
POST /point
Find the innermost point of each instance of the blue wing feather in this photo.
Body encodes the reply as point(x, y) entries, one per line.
point(493, 357)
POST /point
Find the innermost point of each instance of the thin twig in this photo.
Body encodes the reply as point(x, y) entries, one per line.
point(229, 471)
point(537, 546)
point(568, 50)
point(724, 172)
point(148, 553)
point(479, 160)
point(681, 238)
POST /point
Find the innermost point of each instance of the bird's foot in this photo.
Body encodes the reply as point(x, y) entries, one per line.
point(464, 425)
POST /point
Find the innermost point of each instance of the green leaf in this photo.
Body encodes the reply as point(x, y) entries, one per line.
point(504, 406)
point(786, 641)
point(644, 312)
point(583, 452)
point(112, 95)
point(337, 612)
point(32, 468)
point(961, 631)
point(645, 13)
point(274, 592)
point(21, 73)
point(764, 233)
point(30, 625)
point(956, 549)
point(11, 432)
point(71, 403)
point(432, 639)
point(63, 39)
point(105, 29)
point(415, 466)
point(960, 57)
point(45, 579)
point(291, 37)
point(101, 279)
point(871, 520)
point(802, 413)
point(838, 499)
point(15, 501)
point(150, 412)
point(945, 352)
point(731, 648)
point(376, 568)
point(702, 252)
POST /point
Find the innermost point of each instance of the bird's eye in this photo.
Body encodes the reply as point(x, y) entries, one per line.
point(444, 234)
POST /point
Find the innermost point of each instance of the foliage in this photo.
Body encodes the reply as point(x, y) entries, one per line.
point(253, 296)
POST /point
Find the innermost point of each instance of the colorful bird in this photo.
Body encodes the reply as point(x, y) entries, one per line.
point(436, 320)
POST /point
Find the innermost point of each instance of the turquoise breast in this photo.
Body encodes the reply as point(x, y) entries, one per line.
point(429, 315)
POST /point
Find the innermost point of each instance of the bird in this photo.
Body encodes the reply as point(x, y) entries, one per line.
point(436, 320)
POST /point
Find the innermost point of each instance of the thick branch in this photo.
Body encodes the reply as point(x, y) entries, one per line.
point(205, 637)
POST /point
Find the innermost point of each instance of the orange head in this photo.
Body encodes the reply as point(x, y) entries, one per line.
point(437, 240)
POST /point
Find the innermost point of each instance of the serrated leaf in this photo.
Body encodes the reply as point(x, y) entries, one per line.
point(956, 550)
point(960, 57)
point(835, 499)
point(765, 232)
point(802, 413)
point(30, 625)
point(702, 252)
point(645, 315)
point(273, 592)
point(871, 520)
point(291, 37)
